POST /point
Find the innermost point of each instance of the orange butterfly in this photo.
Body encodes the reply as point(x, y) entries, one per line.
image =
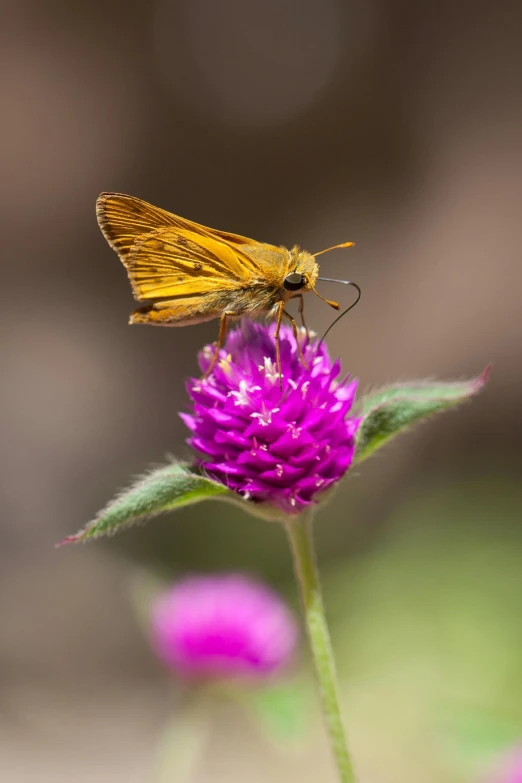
point(192, 274)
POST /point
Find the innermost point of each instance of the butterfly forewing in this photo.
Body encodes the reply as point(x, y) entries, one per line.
point(167, 256)
point(123, 219)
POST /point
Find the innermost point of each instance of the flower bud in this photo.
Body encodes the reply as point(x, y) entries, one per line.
point(224, 626)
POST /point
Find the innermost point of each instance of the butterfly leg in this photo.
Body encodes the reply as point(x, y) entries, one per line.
point(280, 311)
point(220, 341)
point(296, 336)
point(300, 311)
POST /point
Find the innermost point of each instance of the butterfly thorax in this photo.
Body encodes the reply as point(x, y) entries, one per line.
point(275, 263)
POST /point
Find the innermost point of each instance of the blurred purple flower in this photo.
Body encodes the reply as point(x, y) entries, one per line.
point(284, 449)
point(510, 768)
point(224, 626)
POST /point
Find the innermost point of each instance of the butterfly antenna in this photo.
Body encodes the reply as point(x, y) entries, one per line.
point(334, 247)
point(344, 282)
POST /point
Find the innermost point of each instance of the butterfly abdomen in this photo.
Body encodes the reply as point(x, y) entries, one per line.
point(176, 312)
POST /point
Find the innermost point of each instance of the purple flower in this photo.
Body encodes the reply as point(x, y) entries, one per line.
point(510, 769)
point(285, 448)
point(221, 627)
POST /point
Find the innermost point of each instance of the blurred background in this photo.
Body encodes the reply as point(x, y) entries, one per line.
point(395, 125)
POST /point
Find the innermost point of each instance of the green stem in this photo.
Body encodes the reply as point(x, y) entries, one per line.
point(300, 535)
point(182, 746)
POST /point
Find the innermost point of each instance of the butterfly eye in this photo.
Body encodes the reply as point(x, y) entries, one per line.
point(294, 281)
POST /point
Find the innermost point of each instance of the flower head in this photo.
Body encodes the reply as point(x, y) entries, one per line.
point(222, 626)
point(283, 448)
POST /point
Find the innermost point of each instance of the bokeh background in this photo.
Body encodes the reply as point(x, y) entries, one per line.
point(396, 125)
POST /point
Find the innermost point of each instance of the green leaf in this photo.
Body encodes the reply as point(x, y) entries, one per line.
point(281, 709)
point(477, 737)
point(388, 411)
point(163, 489)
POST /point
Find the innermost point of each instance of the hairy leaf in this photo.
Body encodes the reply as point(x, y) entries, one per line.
point(388, 411)
point(163, 489)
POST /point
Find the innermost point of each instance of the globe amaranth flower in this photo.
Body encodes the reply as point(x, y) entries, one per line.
point(271, 446)
point(510, 768)
point(225, 626)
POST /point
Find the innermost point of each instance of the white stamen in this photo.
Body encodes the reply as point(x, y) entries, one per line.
point(270, 370)
point(265, 417)
point(242, 394)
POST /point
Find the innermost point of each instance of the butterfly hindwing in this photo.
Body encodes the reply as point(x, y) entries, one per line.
point(171, 263)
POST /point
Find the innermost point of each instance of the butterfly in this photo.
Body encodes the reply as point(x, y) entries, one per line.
point(188, 273)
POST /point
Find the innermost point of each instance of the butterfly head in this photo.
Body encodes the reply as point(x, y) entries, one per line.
point(302, 273)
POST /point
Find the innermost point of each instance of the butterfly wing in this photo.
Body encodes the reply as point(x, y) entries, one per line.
point(173, 262)
point(167, 256)
point(123, 219)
